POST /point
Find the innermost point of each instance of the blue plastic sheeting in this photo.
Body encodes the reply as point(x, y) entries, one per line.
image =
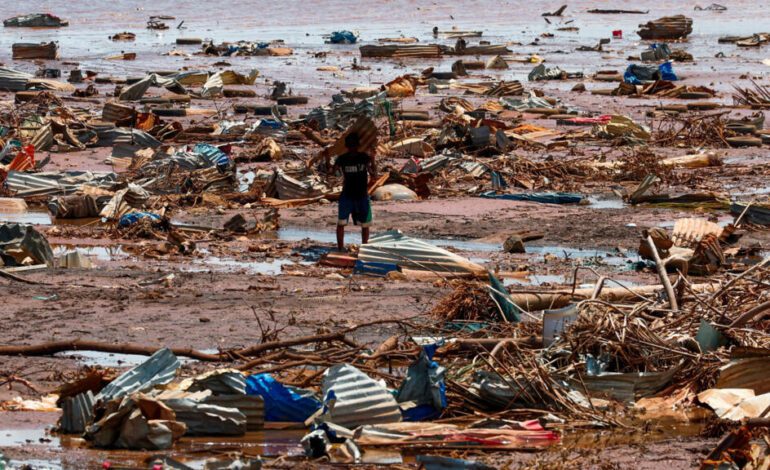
point(128, 220)
point(636, 74)
point(213, 155)
point(424, 385)
point(282, 403)
point(374, 269)
point(437, 462)
point(546, 198)
point(343, 37)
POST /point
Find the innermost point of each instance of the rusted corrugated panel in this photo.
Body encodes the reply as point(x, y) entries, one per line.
point(668, 27)
point(358, 399)
point(506, 89)
point(689, 232)
point(431, 50)
point(115, 112)
point(77, 412)
point(291, 188)
point(393, 247)
point(28, 50)
point(492, 49)
point(746, 373)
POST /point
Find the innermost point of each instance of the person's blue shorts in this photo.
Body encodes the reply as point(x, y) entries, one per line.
point(360, 209)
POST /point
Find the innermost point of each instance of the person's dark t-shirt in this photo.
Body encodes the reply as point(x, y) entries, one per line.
point(355, 169)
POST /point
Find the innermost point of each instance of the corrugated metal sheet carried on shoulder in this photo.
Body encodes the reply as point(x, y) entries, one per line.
point(358, 399)
point(393, 247)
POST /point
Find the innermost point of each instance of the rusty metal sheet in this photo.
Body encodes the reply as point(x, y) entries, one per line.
point(689, 232)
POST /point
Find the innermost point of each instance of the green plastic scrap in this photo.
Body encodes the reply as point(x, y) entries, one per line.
point(499, 293)
point(709, 338)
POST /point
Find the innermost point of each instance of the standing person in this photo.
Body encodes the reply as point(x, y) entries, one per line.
point(356, 166)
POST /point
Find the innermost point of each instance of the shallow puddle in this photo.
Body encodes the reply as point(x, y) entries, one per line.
point(101, 253)
point(27, 217)
point(27, 437)
point(106, 359)
point(600, 256)
point(536, 280)
point(602, 203)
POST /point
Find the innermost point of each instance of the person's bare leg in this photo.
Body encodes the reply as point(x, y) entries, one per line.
point(340, 237)
point(364, 235)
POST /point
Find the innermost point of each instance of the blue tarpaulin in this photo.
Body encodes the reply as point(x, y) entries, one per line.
point(547, 198)
point(130, 219)
point(282, 403)
point(636, 74)
point(343, 37)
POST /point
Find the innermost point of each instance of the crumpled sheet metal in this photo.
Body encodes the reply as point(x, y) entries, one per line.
point(124, 201)
point(393, 247)
point(219, 382)
point(158, 369)
point(626, 386)
point(353, 399)
point(292, 188)
point(54, 183)
point(748, 372)
point(252, 407)
point(216, 82)
point(689, 232)
point(136, 422)
point(13, 80)
point(137, 90)
point(18, 242)
point(203, 419)
point(77, 413)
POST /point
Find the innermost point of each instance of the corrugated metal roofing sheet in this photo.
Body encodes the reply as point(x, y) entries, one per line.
point(394, 247)
point(689, 232)
point(205, 419)
point(220, 382)
point(13, 80)
point(77, 412)
point(252, 406)
point(158, 369)
point(627, 386)
point(746, 373)
point(358, 399)
point(291, 188)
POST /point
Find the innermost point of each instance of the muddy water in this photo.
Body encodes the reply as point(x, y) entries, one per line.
point(86, 39)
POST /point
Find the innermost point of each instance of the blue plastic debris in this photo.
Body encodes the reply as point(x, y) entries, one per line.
point(213, 155)
point(343, 37)
point(546, 198)
point(282, 403)
point(374, 269)
point(437, 462)
point(128, 220)
point(637, 74)
point(424, 385)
